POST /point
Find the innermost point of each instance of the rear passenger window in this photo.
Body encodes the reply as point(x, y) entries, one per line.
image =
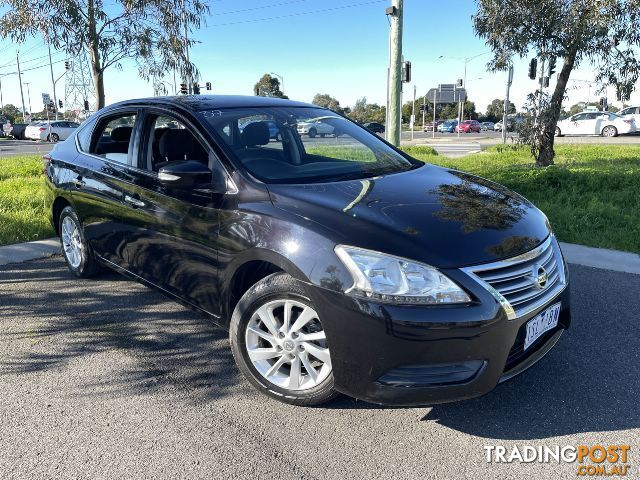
point(113, 137)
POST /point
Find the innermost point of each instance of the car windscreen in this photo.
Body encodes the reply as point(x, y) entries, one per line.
point(267, 143)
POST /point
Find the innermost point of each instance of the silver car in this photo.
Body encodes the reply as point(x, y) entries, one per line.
point(61, 130)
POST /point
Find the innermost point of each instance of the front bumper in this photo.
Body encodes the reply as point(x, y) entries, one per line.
point(424, 355)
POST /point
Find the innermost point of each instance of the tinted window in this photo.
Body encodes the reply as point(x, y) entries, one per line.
point(84, 134)
point(302, 144)
point(113, 137)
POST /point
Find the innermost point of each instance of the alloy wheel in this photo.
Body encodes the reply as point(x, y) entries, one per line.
point(287, 345)
point(71, 242)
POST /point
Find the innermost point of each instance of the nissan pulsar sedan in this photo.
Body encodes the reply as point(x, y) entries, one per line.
point(336, 264)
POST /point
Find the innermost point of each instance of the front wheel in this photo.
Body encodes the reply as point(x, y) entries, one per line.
point(77, 252)
point(558, 132)
point(609, 131)
point(54, 138)
point(279, 343)
point(312, 133)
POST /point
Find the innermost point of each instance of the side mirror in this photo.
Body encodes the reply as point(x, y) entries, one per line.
point(184, 174)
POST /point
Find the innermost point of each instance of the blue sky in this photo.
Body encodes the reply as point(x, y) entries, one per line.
point(338, 47)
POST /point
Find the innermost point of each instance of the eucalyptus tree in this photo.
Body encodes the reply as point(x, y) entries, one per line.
point(153, 33)
point(602, 32)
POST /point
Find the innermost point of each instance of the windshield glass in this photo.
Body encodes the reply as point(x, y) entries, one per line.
point(269, 143)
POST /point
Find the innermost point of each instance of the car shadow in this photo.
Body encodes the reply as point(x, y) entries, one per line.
point(63, 320)
point(588, 383)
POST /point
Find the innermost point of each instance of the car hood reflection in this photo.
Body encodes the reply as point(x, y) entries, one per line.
point(442, 217)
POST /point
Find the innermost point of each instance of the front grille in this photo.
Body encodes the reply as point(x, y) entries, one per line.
point(515, 282)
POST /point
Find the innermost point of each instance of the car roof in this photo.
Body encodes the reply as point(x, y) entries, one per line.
point(206, 102)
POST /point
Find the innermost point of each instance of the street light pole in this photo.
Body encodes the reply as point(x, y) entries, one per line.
point(395, 72)
point(55, 98)
point(20, 80)
point(29, 96)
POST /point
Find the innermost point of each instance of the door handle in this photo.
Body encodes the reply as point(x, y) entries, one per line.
point(134, 202)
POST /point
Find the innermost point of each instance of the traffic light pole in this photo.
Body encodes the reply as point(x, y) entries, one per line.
point(395, 73)
point(505, 108)
point(55, 98)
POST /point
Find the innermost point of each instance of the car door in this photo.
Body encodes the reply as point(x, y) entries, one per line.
point(63, 130)
point(172, 232)
point(98, 180)
point(574, 124)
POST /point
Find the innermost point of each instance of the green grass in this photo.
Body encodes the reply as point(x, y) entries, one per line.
point(22, 207)
point(591, 195)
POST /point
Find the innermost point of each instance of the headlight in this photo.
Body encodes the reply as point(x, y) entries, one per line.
point(397, 280)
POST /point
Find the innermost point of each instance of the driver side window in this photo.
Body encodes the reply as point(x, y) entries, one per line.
point(170, 140)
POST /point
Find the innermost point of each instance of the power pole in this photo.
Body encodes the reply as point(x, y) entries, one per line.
point(505, 107)
point(78, 85)
point(20, 80)
point(413, 111)
point(29, 96)
point(53, 82)
point(395, 72)
point(188, 78)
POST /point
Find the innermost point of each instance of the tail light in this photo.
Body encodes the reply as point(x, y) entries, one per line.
point(42, 129)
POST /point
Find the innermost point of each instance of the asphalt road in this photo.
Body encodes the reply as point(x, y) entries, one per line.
point(108, 379)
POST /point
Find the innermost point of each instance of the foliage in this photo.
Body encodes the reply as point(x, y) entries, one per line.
point(496, 108)
point(363, 112)
point(22, 206)
point(590, 195)
point(11, 112)
point(421, 152)
point(327, 101)
point(571, 30)
point(149, 31)
point(444, 111)
point(268, 86)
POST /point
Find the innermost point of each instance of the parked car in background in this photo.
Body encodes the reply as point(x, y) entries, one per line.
point(448, 126)
point(631, 112)
point(487, 126)
point(314, 127)
point(607, 124)
point(53, 131)
point(375, 127)
point(468, 126)
point(303, 254)
point(18, 130)
point(37, 131)
point(428, 127)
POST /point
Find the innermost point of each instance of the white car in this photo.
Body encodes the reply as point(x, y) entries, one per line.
point(59, 130)
point(631, 112)
point(315, 126)
point(607, 124)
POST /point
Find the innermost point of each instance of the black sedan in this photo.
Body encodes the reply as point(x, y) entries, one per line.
point(375, 127)
point(336, 266)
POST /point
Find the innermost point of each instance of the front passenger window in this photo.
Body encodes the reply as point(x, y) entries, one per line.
point(113, 138)
point(169, 141)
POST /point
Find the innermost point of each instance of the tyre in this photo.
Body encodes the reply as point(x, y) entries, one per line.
point(54, 138)
point(322, 135)
point(75, 249)
point(279, 343)
point(558, 132)
point(312, 133)
point(609, 131)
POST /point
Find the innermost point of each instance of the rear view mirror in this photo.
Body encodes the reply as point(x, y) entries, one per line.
point(184, 174)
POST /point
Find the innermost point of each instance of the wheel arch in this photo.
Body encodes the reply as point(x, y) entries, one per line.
point(59, 204)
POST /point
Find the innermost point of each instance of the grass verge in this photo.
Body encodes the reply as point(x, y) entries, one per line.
point(23, 215)
point(591, 195)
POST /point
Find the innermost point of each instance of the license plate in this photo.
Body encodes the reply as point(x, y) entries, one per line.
point(541, 323)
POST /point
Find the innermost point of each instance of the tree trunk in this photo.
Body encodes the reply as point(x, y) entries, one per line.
point(546, 154)
point(94, 54)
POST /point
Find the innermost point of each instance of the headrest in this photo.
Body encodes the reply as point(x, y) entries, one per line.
point(256, 133)
point(176, 144)
point(121, 134)
point(158, 132)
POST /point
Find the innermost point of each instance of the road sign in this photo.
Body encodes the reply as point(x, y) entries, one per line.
point(46, 99)
point(446, 93)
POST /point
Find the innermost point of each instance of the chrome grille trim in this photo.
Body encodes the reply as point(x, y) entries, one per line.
point(513, 284)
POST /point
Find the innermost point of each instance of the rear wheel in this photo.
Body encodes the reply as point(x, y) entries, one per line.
point(54, 137)
point(76, 250)
point(312, 133)
point(558, 132)
point(609, 131)
point(279, 343)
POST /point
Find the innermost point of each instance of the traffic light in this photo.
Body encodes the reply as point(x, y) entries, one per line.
point(256, 91)
point(67, 65)
point(533, 68)
point(545, 82)
point(208, 85)
point(86, 105)
point(603, 103)
point(196, 89)
point(60, 103)
point(406, 72)
point(552, 65)
point(459, 83)
point(183, 88)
